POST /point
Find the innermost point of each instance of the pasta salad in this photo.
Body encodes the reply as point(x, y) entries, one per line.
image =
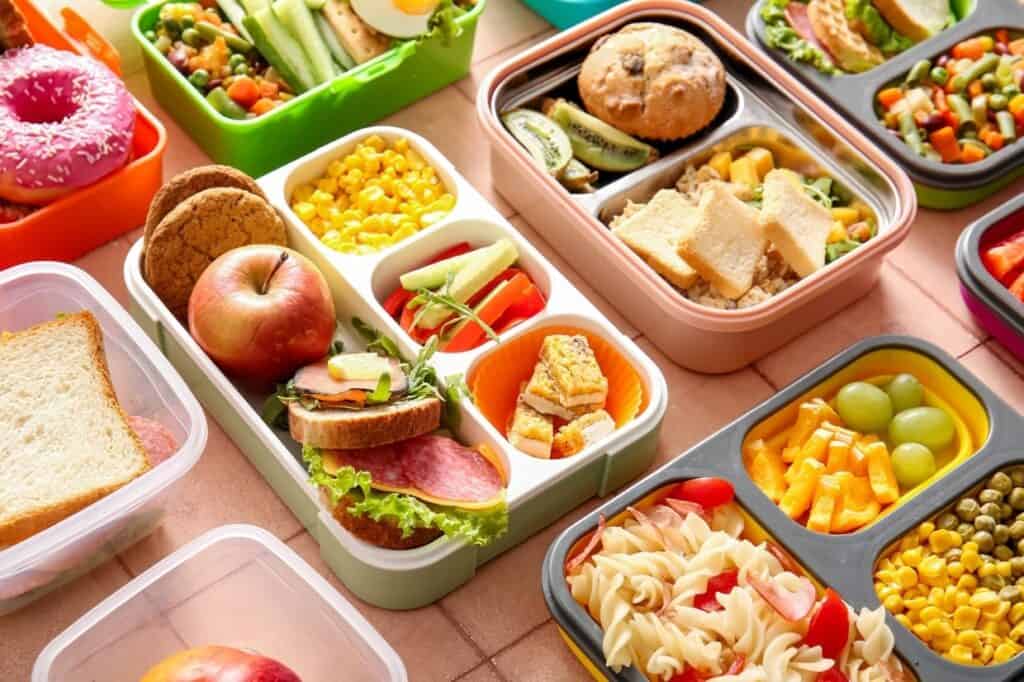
point(682, 596)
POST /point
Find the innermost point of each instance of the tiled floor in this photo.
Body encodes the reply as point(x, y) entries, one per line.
point(497, 627)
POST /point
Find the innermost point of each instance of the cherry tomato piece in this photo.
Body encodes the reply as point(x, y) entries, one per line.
point(722, 583)
point(830, 626)
point(832, 675)
point(707, 492)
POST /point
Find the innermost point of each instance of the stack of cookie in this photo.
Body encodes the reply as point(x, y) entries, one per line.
point(196, 217)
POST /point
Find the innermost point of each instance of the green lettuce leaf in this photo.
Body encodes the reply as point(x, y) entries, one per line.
point(780, 35)
point(875, 29)
point(407, 512)
point(442, 22)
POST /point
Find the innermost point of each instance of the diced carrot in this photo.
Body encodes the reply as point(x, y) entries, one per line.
point(889, 97)
point(993, 139)
point(1016, 105)
point(1002, 36)
point(262, 106)
point(243, 90)
point(1004, 257)
point(971, 153)
point(1017, 288)
point(975, 89)
point(1017, 47)
point(973, 48)
point(269, 89)
point(945, 143)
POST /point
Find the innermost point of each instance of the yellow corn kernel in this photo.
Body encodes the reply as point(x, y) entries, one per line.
point(962, 597)
point(970, 546)
point(940, 628)
point(1003, 653)
point(922, 632)
point(969, 638)
point(303, 192)
point(1017, 633)
point(1004, 569)
point(912, 557)
point(838, 233)
point(925, 529)
point(894, 603)
point(321, 197)
point(328, 184)
point(967, 582)
point(949, 599)
point(970, 559)
point(907, 577)
point(954, 569)
point(932, 569)
point(335, 169)
point(1003, 628)
point(886, 575)
point(1017, 612)
point(886, 591)
point(986, 654)
point(987, 569)
point(930, 613)
point(904, 621)
point(984, 599)
point(997, 612)
point(942, 540)
point(966, 617)
point(960, 654)
point(915, 603)
point(305, 210)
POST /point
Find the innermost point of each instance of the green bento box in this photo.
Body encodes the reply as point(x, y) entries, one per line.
point(355, 99)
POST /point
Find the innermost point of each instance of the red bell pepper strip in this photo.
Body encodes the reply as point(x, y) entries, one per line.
point(471, 334)
point(529, 305)
point(830, 626)
point(503, 276)
point(451, 252)
point(1002, 258)
point(1017, 288)
point(395, 303)
point(723, 583)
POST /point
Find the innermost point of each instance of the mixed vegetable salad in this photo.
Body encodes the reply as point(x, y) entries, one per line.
point(248, 56)
point(963, 106)
point(1005, 260)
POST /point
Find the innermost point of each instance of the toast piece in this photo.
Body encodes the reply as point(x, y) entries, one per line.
point(654, 231)
point(13, 31)
point(531, 431)
point(796, 224)
point(847, 47)
point(66, 441)
point(583, 432)
point(916, 19)
point(726, 242)
point(360, 41)
point(339, 429)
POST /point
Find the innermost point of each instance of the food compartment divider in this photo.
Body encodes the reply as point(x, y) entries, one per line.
point(367, 93)
point(539, 491)
point(761, 98)
point(844, 562)
point(941, 186)
point(146, 385)
point(991, 303)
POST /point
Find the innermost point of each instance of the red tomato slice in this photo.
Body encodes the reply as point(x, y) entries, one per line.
point(830, 626)
point(723, 583)
point(707, 492)
point(832, 675)
point(688, 675)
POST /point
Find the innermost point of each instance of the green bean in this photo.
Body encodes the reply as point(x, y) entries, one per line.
point(958, 105)
point(1007, 126)
point(987, 63)
point(918, 72)
point(911, 135)
point(979, 108)
point(997, 101)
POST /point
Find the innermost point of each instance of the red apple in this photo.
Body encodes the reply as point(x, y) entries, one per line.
point(219, 664)
point(261, 312)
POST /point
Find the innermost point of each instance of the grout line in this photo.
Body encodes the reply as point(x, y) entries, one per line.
point(1011, 366)
point(487, 663)
point(971, 350)
point(296, 534)
point(764, 377)
point(519, 639)
point(461, 629)
point(906, 275)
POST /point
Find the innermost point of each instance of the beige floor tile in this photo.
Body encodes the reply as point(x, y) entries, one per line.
point(542, 656)
point(25, 633)
point(428, 642)
point(894, 306)
point(560, 263)
point(504, 601)
point(181, 153)
point(222, 488)
point(485, 673)
point(505, 23)
point(1006, 356)
point(995, 374)
point(700, 404)
point(482, 67)
point(106, 265)
point(447, 119)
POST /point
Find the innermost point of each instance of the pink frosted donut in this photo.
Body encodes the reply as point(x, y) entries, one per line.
point(65, 122)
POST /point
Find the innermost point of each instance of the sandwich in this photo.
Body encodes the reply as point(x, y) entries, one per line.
point(66, 440)
point(371, 429)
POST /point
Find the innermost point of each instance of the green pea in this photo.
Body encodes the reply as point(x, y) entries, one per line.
point(997, 101)
point(1003, 553)
point(192, 37)
point(200, 78)
point(967, 509)
point(1017, 565)
point(993, 582)
point(1017, 529)
point(1020, 547)
point(984, 540)
point(150, 36)
point(966, 531)
point(241, 70)
point(187, 21)
point(1001, 482)
point(1001, 534)
point(946, 521)
point(939, 75)
point(1016, 499)
point(236, 59)
point(1017, 473)
point(1011, 91)
point(992, 509)
point(1010, 593)
point(1006, 511)
point(172, 26)
point(989, 495)
point(953, 554)
point(985, 523)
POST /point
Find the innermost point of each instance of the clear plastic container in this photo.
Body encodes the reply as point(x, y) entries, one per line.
point(235, 586)
point(146, 385)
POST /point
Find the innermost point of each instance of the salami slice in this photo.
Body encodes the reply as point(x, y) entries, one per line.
point(156, 438)
point(383, 463)
point(444, 469)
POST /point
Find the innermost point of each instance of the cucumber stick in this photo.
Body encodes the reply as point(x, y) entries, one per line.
point(235, 14)
point(280, 49)
point(316, 5)
point(254, 6)
point(333, 44)
point(299, 20)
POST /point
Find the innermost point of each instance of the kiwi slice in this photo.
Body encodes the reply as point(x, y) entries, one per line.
point(596, 143)
point(544, 140)
point(578, 178)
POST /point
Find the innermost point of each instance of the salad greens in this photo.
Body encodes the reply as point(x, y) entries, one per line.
point(877, 31)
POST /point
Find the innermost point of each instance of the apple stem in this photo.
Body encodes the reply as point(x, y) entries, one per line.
point(277, 266)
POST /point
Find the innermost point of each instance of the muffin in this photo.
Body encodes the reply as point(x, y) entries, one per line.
point(653, 81)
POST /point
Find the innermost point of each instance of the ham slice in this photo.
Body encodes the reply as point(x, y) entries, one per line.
point(435, 468)
point(316, 380)
point(796, 15)
point(791, 605)
point(157, 440)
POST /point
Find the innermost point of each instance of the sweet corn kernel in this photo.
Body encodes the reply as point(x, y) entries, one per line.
point(969, 638)
point(1017, 633)
point(1017, 612)
point(986, 653)
point(305, 210)
point(894, 603)
point(930, 613)
point(906, 576)
point(915, 603)
point(922, 632)
point(904, 621)
point(1004, 569)
point(303, 193)
point(984, 599)
point(1003, 653)
point(986, 570)
point(966, 617)
point(322, 197)
point(962, 597)
point(912, 557)
point(970, 559)
point(967, 582)
point(335, 169)
point(925, 529)
point(954, 569)
point(960, 654)
point(932, 569)
point(942, 540)
point(328, 184)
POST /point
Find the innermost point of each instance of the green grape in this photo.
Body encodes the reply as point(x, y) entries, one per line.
point(905, 391)
point(913, 464)
point(864, 407)
point(928, 426)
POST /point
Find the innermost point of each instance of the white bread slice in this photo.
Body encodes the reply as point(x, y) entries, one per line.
point(726, 242)
point(654, 231)
point(360, 41)
point(337, 429)
point(796, 224)
point(65, 440)
point(916, 19)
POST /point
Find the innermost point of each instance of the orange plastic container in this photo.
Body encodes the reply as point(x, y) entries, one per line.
point(78, 223)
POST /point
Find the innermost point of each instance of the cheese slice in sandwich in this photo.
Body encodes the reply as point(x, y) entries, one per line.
point(795, 223)
point(583, 432)
point(654, 231)
point(66, 441)
point(726, 242)
point(531, 431)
